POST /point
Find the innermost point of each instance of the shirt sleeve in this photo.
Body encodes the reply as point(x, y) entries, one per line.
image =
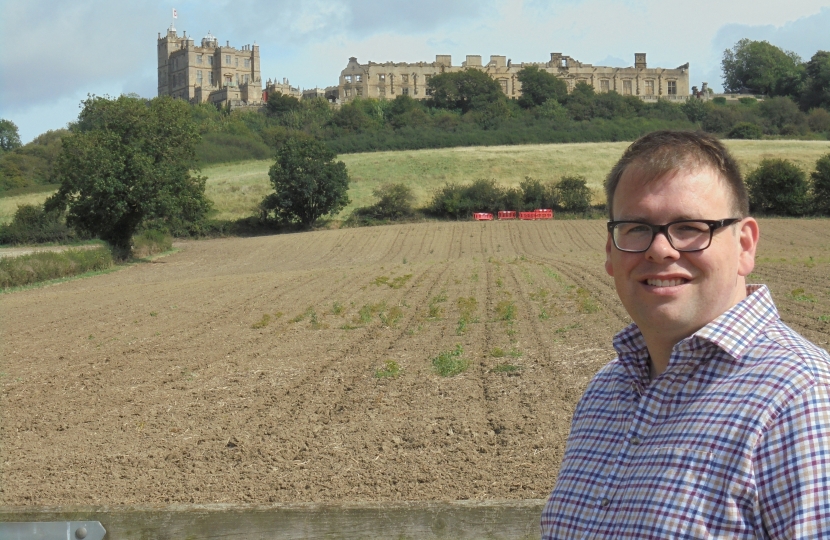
point(792, 469)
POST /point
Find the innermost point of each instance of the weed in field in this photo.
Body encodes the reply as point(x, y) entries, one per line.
point(315, 323)
point(349, 327)
point(467, 307)
point(540, 296)
point(506, 368)
point(566, 328)
point(799, 295)
point(436, 311)
point(824, 318)
point(365, 314)
point(506, 310)
point(336, 308)
point(394, 283)
point(302, 315)
point(153, 314)
point(551, 274)
point(515, 353)
point(390, 369)
point(450, 363)
point(585, 301)
point(543, 314)
point(499, 282)
point(263, 322)
point(497, 352)
point(278, 314)
point(391, 319)
point(404, 260)
point(474, 277)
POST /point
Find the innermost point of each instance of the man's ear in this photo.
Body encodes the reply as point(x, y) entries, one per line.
point(608, 247)
point(748, 236)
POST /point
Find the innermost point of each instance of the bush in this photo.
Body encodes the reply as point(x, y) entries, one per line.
point(573, 194)
point(32, 225)
point(719, 120)
point(745, 130)
point(821, 186)
point(45, 265)
point(151, 242)
point(778, 187)
point(460, 201)
point(394, 201)
point(819, 120)
point(228, 147)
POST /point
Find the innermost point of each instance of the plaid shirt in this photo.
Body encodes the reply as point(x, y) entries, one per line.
point(731, 441)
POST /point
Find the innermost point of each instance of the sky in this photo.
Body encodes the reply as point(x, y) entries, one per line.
point(56, 52)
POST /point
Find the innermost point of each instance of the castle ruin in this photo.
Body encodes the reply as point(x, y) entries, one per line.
point(390, 79)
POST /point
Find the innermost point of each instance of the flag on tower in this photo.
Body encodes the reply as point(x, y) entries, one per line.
point(175, 14)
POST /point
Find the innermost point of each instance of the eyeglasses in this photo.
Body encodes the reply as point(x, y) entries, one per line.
point(685, 235)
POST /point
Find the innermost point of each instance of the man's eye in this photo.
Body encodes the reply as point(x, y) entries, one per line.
point(635, 229)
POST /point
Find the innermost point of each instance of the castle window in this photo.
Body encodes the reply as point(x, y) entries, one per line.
point(198, 58)
point(348, 79)
point(228, 59)
point(564, 63)
point(348, 92)
point(404, 79)
point(210, 78)
point(503, 84)
point(247, 62)
point(604, 85)
point(672, 88)
point(650, 87)
point(359, 92)
point(199, 77)
point(210, 60)
point(358, 78)
point(236, 62)
point(382, 77)
point(406, 91)
point(245, 79)
point(627, 87)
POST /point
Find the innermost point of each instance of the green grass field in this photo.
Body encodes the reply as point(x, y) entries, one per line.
point(237, 188)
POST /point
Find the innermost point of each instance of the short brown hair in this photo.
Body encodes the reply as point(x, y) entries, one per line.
point(662, 152)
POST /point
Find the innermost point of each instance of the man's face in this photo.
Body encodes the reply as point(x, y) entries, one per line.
point(670, 294)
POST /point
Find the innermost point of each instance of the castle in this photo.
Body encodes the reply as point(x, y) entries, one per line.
point(208, 72)
point(226, 76)
point(390, 79)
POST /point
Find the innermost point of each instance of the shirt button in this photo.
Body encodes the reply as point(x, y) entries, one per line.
point(605, 502)
point(634, 440)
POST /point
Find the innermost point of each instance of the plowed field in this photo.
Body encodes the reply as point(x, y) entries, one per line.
point(299, 367)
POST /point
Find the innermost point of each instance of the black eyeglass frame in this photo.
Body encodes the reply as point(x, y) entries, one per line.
point(714, 224)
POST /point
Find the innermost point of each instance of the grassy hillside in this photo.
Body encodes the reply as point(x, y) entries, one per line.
point(237, 188)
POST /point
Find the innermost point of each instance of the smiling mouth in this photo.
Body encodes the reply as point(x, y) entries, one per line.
point(666, 282)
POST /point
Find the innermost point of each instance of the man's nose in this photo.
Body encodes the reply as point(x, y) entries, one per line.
point(661, 248)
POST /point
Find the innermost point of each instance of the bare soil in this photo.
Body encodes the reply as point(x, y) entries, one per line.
point(251, 370)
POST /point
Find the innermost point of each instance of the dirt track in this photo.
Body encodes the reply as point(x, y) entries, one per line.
point(163, 382)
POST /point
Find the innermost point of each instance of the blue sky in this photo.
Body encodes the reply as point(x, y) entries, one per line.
point(57, 52)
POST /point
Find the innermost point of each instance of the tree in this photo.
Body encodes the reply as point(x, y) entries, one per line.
point(778, 187)
point(761, 68)
point(573, 193)
point(394, 201)
point(467, 90)
point(538, 86)
point(308, 183)
point(817, 86)
point(126, 162)
point(821, 185)
point(279, 103)
point(9, 137)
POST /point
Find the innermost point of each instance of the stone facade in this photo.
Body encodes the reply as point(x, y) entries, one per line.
point(224, 76)
point(390, 79)
point(283, 87)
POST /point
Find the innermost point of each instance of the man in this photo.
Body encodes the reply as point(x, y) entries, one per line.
point(714, 419)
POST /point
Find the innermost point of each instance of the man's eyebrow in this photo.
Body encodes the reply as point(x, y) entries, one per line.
point(679, 217)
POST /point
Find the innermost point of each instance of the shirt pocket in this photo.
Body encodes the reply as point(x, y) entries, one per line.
point(665, 489)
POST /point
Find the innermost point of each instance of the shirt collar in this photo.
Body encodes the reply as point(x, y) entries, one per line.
point(733, 331)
